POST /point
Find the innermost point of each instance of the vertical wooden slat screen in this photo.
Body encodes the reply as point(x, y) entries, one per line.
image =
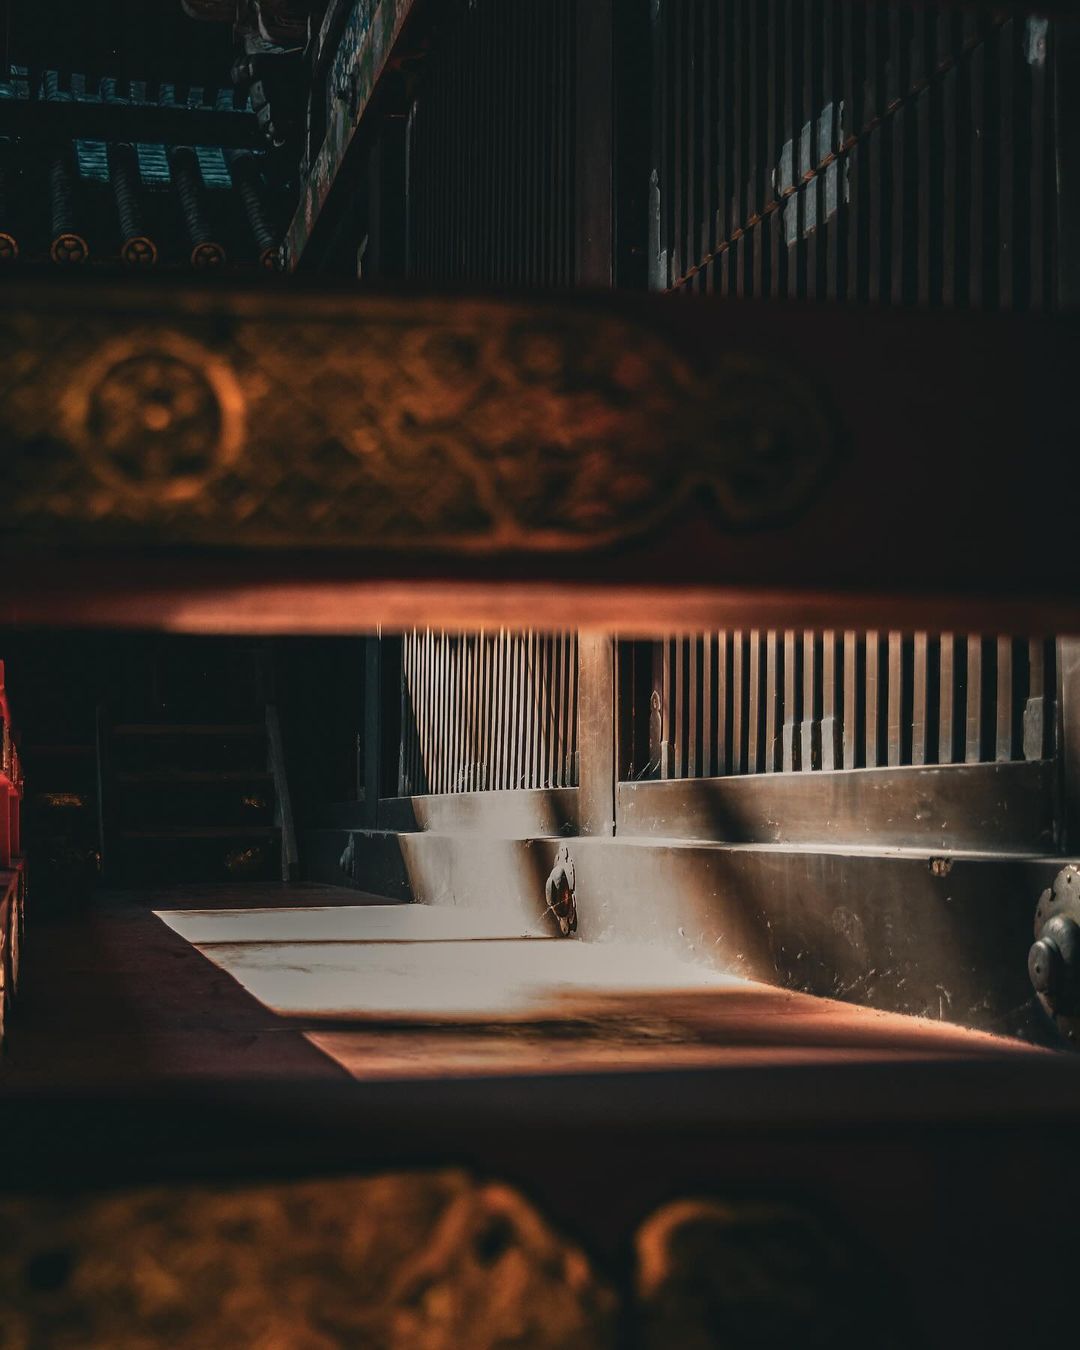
point(484, 711)
point(491, 146)
point(762, 702)
point(888, 152)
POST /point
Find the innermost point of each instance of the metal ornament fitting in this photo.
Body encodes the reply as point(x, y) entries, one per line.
point(69, 248)
point(139, 251)
point(1054, 959)
point(559, 892)
point(207, 254)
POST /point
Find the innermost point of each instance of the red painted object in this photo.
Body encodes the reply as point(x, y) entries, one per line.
point(11, 786)
point(12, 866)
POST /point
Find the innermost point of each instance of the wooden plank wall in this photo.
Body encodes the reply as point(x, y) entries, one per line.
point(809, 149)
point(767, 701)
point(488, 711)
point(492, 147)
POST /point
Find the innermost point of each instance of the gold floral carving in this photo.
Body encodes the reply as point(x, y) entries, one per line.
point(332, 422)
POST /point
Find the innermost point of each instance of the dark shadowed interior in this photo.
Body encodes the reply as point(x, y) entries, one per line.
point(539, 678)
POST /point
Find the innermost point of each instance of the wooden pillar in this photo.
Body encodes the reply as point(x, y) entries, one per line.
point(596, 733)
point(372, 730)
point(1068, 663)
point(597, 720)
point(1066, 57)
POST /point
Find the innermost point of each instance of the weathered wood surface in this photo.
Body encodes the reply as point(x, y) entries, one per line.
point(1008, 808)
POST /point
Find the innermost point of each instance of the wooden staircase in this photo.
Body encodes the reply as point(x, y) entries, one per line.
point(190, 799)
point(188, 802)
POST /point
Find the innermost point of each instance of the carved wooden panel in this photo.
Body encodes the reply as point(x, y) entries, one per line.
point(386, 424)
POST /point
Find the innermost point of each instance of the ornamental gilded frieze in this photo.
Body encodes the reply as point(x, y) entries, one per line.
point(332, 422)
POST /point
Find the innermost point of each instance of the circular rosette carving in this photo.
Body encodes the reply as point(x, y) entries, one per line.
point(768, 439)
point(568, 427)
point(159, 418)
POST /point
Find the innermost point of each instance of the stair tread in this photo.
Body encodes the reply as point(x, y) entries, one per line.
point(200, 832)
point(189, 729)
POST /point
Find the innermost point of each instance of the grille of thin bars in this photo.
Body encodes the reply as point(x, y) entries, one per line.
point(774, 701)
point(487, 711)
point(814, 149)
point(490, 174)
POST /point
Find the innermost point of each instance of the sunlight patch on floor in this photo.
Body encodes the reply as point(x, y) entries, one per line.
point(347, 923)
point(481, 980)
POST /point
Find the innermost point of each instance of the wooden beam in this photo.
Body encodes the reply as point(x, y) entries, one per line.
point(352, 48)
point(313, 496)
point(1008, 808)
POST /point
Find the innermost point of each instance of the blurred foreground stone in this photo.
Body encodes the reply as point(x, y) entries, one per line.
point(415, 1261)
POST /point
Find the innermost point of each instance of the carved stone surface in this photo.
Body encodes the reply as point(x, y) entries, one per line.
point(386, 424)
point(416, 1261)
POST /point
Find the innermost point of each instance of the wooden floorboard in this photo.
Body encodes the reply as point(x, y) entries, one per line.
point(345, 923)
point(267, 984)
point(112, 997)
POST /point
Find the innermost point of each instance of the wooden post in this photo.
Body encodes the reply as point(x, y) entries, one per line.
point(1068, 663)
point(1066, 57)
point(372, 731)
point(596, 733)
